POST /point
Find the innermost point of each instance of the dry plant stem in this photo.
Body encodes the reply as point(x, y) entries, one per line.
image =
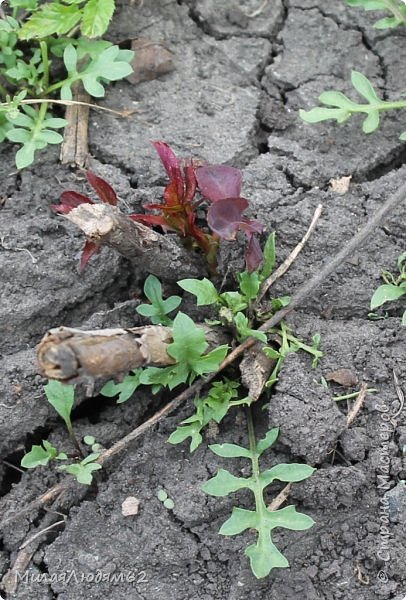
point(159, 254)
point(123, 113)
point(70, 355)
point(10, 580)
point(74, 148)
point(281, 270)
point(297, 298)
point(357, 404)
point(280, 498)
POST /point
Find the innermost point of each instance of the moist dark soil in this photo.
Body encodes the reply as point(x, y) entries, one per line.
point(233, 98)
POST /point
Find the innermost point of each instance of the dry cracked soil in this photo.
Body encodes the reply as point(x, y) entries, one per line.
point(243, 69)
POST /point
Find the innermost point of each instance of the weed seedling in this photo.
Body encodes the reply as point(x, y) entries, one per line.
point(393, 288)
point(263, 554)
point(166, 501)
point(159, 308)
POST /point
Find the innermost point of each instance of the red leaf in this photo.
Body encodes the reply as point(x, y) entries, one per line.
point(253, 254)
point(191, 183)
point(70, 200)
point(102, 188)
point(89, 249)
point(224, 216)
point(150, 220)
point(219, 181)
point(167, 156)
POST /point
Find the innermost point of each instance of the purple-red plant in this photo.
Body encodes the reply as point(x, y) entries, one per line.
point(220, 185)
point(71, 199)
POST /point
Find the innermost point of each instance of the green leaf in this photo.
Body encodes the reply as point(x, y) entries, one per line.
point(386, 293)
point(317, 114)
point(162, 495)
point(371, 122)
point(159, 307)
point(89, 440)
point(51, 18)
point(364, 87)
point(19, 136)
point(403, 136)
point(125, 389)
point(82, 471)
point(243, 328)
point(209, 362)
point(230, 450)
point(203, 289)
point(337, 99)
point(387, 23)
point(25, 156)
point(265, 556)
point(70, 58)
point(249, 284)
point(240, 520)
point(97, 15)
point(269, 256)
point(61, 397)
point(224, 483)
point(50, 137)
point(169, 503)
point(289, 518)
point(286, 472)
point(39, 456)
point(404, 319)
point(269, 439)
point(368, 4)
point(234, 300)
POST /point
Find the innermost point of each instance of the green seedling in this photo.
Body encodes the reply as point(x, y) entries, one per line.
point(159, 308)
point(41, 455)
point(166, 501)
point(341, 108)
point(89, 440)
point(213, 407)
point(83, 471)
point(396, 8)
point(61, 397)
point(263, 555)
point(188, 349)
point(31, 71)
point(394, 287)
point(125, 389)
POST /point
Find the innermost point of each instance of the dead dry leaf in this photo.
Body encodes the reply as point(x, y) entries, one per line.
point(255, 369)
point(151, 60)
point(344, 377)
point(130, 506)
point(341, 185)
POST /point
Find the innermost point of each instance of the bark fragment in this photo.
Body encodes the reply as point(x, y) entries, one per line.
point(156, 253)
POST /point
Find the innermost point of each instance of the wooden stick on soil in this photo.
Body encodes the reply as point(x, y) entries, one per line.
point(281, 270)
point(298, 297)
point(159, 254)
point(357, 404)
point(74, 148)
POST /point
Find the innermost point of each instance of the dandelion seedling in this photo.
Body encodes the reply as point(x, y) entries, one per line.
point(263, 554)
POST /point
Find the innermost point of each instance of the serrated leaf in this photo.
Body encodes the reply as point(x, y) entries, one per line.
point(39, 456)
point(230, 450)
point(371, 122)
point(386, 293)
point(224, 483)
point(96, 17)
point(203, 289)
point(364, 87)
point(269, 439)
point(125, 389)
point(50, 19)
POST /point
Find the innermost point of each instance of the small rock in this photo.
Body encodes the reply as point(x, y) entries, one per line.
point(130, 506)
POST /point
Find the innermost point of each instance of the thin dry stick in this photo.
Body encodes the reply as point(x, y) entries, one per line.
point(280, 498)
point(39, 533)
point(400, 395)
point(122, 113)
point(357, 404)
point(281, 270)
point(297, 298)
